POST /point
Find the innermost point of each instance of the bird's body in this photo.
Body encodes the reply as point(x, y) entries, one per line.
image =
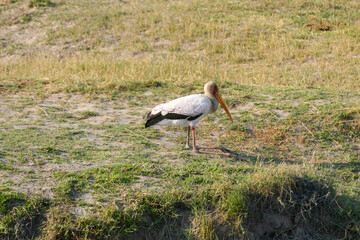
point(187, 111)
point(184, 111)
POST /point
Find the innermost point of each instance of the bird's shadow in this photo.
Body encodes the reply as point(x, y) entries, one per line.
point(228, 153)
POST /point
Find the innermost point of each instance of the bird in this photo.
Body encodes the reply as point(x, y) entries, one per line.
point(188, 111)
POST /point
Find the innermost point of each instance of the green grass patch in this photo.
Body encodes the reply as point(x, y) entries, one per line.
point(288, 195)
point(20, 216)
point(41, 3)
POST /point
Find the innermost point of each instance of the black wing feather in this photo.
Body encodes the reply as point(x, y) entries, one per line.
point(194, 117)
point(154, 119)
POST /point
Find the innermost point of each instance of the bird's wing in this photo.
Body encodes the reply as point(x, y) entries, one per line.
point(189, 106)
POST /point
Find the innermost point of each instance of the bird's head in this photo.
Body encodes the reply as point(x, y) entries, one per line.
point(212, 91)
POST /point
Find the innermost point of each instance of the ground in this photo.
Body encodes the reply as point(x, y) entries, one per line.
point(78, 77)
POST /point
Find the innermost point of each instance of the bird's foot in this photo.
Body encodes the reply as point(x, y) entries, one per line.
point(187, 146)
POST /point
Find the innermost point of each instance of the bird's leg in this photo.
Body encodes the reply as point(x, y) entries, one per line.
point(187, 146)
point(195, 150)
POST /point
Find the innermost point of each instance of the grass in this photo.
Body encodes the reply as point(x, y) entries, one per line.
point(227, 205)
point(111, 180)
point(77, 76)
point(184, 43)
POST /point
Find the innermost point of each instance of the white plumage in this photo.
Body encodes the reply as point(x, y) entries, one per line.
point(187, 111)
point(191, 106)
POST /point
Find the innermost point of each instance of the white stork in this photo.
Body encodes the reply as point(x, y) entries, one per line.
point(188, 111)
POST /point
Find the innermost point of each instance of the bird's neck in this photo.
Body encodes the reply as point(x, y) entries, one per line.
point(209, 95)
point(215, 104)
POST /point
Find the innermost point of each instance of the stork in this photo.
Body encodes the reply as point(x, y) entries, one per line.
point(188, 111)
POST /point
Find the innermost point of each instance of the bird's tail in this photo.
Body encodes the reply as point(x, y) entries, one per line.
point(153, 119)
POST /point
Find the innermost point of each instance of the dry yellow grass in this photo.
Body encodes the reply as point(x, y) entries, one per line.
point(111, 44)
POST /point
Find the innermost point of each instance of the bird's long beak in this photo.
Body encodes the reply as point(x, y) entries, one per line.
point(222, 103)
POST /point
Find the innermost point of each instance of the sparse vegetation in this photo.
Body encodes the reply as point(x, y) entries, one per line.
point(76, 77)
point(41, 3)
